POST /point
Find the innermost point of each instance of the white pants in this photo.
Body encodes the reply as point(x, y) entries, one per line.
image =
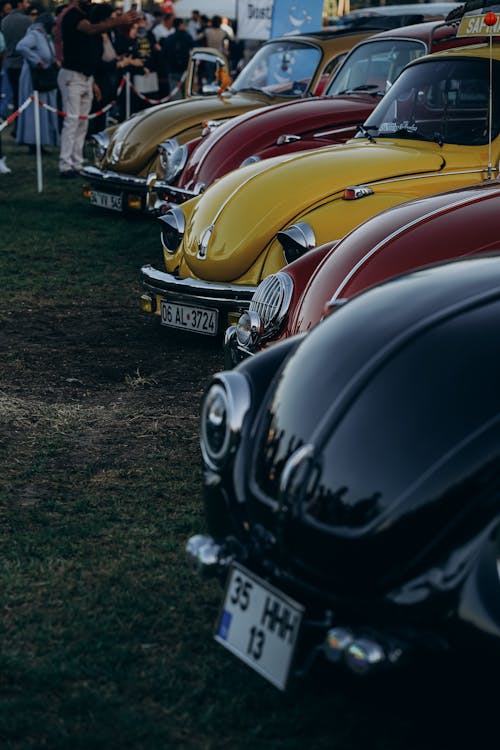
point(76, 96)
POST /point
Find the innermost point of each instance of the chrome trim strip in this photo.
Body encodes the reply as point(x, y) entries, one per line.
point(424, 175)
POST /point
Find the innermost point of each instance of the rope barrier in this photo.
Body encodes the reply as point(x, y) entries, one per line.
point(10, 119)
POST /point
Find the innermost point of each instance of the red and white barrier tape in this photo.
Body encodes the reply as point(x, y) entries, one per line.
point(100, 112)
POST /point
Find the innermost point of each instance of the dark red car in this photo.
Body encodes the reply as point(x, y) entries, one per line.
point(414, 234)
point(354, 91)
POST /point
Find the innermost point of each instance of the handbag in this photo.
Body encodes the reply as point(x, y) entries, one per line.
point(44, 79)
point(145, 84)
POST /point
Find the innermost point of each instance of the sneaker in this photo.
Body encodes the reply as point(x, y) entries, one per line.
point(68, 174)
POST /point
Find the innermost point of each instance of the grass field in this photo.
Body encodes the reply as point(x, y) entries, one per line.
point(105, 630)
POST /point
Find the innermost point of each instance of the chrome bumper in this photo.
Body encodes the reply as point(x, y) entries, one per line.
point(176, 193)
point(196, 292)
point(109, 180)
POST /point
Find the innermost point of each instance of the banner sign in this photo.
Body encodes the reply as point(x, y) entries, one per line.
point(486, 24)
point(296, 17)
point(254, 19)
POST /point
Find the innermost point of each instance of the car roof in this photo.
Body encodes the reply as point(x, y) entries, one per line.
point(481, 50)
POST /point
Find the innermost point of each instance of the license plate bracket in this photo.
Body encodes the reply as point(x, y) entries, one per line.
point(259, 624)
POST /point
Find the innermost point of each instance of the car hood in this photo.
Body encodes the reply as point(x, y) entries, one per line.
point(228, 146)
point(373, 492)
point(246, 207)
point(134, 142)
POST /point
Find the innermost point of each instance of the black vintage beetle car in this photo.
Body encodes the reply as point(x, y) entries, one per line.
point(352, 481)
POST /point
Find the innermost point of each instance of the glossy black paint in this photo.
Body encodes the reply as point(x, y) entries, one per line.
point(367, 479)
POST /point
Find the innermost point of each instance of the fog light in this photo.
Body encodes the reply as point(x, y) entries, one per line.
point(337, 640)
point(364, 655)
point(147, 303)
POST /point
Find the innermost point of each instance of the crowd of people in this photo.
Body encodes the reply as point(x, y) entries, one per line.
point(93, 46)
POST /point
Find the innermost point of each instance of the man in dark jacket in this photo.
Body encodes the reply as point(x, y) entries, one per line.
point(76, 80)
point(176, 49)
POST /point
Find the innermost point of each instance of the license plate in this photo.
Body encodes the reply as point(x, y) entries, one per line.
point(106, 200)
point(259, 624)
point(189, 318)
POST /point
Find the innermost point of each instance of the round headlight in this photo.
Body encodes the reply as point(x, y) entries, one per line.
point(297, 240)
point(249, 328)
point(267, 310)
point(222, 414)
point(173, 158)
point(173, 225)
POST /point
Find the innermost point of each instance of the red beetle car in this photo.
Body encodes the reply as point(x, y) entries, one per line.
point(417, 233)
point(354, 91)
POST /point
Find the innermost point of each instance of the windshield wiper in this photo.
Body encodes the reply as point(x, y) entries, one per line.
point(373, 87)
point(365, 130)
point(247, 88)
point(408, 132)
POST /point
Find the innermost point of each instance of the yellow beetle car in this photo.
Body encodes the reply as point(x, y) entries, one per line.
point(431, 132)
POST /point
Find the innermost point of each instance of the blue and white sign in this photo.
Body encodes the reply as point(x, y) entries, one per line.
point(254, 19)
point(296, 17)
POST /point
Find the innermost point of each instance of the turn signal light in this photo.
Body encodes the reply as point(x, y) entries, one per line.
point(134, 202)
point(358, 191)
point(147, 303)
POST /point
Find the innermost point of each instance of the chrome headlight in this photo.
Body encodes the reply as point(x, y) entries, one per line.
point(100, 143)
point(173, 226)
point(223, 411)
point(250, 160)
point(173, 158)
point(267, 310)
point(297, 240)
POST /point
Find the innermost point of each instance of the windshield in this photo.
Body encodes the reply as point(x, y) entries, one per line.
point(280, 69)
point(442, 100)
point(374, 66)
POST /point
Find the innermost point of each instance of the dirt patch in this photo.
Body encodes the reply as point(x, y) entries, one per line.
point(95, 388)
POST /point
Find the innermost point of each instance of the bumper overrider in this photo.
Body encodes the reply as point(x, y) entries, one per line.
point(119, 192)
point(193, 305)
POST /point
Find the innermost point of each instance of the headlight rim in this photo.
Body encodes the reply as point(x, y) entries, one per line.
point(296, 240)
point(237, 393)
point(168, 150)
point(267, 326)
point(176, 221)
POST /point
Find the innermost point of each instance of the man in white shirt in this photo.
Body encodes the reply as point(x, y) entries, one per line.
point(164, 28)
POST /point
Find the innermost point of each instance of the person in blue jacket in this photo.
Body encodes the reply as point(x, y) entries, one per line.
point(37, 49)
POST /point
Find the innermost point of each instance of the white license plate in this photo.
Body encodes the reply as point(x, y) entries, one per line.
point(259, 624)
point(189, 318)
point(106, 200)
